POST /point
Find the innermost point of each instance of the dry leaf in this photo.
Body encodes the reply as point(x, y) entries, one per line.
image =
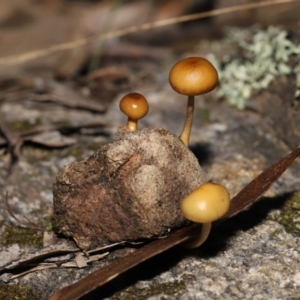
point(62, 253)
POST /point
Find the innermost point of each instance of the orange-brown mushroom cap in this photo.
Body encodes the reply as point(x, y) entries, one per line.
point(134, 105)
point(193, 76)
point(208, 203)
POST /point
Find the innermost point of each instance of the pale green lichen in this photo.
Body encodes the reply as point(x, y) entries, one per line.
point(262, 55)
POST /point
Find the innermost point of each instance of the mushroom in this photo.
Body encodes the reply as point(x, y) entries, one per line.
point(135, 106)
point(192, 76)
point(208, 203)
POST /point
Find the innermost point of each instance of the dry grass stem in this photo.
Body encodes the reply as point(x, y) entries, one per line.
point(22, 58)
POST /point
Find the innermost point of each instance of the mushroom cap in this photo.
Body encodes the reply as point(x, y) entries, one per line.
point(134, 105)
point(193, 76)
point(208, 203)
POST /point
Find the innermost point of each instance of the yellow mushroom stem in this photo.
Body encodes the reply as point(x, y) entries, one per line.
point(187, 127)
point(198, 239)
point(192, 76)
point(132, 125)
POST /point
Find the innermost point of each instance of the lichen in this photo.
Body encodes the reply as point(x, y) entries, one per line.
point(261, 56)
point(18, 291)
point(289, 215)
point(22, 236)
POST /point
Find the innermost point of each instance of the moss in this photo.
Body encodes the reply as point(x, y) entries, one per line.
point(80, 153)
point(277, 232)
point(62, 123)
point(188, 277)
point(252, 231)
point(289, 215)
point(33, 154)
point(75, 151)
point(94, 146)
point(18, 291)
point(168, 288)
point(23, 125)
point(22, 236)
point(48, 220)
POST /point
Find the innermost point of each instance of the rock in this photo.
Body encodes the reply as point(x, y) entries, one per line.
point(129, 190)
point(281, 110)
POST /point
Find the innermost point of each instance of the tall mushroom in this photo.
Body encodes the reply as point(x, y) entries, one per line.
point(192, 76)
point(134, 106)
point(208, 203)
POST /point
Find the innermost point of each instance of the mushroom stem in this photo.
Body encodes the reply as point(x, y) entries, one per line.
point(132, 125)
point(198, 240)
point(187, 127)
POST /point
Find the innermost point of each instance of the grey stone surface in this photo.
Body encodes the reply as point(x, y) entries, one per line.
point(249, 257)
point(259, 263)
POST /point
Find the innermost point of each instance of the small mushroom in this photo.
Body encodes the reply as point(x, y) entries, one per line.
point(192, 76)
point(135, 106)
point(208, 203)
